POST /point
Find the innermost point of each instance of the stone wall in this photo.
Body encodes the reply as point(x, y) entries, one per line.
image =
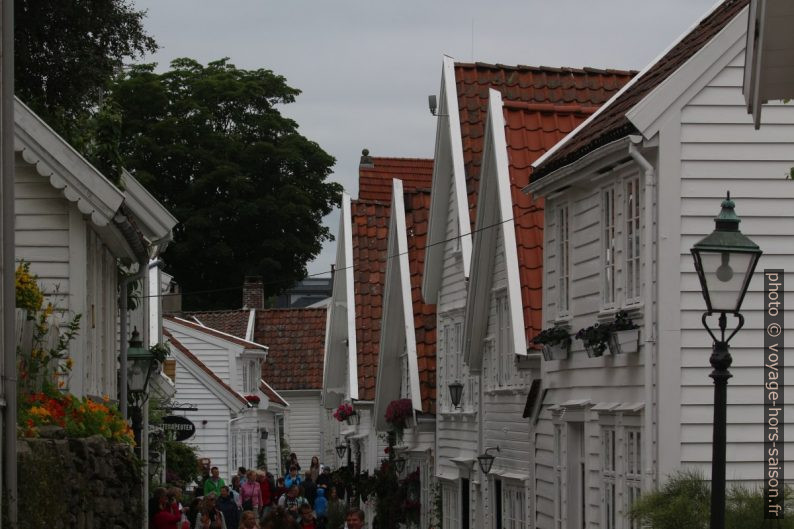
point(78, 484)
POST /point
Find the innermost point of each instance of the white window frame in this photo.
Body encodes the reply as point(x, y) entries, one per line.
point(563, 236)
point(513, 504)
point(451, 339)
point(503, 345)
point(250, 369)
point(450, 498)
point(626, 475)
point(632, 264)
point(609, 240)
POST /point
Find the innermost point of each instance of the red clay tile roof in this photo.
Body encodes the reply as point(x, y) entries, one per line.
point(541, 105)
point(370, 227)
point(234, 322)
point(296, 343)
point(612, 123)
point(219, 334)
point(196, 360)
point(374, 183)
point(417, 211)
point(370, 223)
point(271, 394)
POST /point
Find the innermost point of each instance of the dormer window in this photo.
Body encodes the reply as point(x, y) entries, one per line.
point(251, 375)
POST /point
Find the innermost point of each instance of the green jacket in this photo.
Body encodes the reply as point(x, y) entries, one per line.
point(213, 486)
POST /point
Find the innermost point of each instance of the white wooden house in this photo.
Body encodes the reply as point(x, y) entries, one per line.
point(485, 322)
point(75, 228)
point(627, 195)
point(214, 372)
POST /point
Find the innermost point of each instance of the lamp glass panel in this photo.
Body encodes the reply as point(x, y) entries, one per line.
point(136, 375)
point(725, 275)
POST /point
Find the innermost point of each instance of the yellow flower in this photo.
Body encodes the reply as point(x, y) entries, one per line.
point(69, 363)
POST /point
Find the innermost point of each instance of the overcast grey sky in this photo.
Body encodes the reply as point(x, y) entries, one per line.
point(366, 68)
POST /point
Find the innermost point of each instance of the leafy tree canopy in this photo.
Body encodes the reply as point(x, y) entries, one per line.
point(67, 53)
point(249, 190)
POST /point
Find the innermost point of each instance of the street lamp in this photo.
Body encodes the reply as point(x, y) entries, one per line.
point(456, 392)
point(340, 450)
point(725, 261)
point(486, 460)
point(399, 464)
point(141, 364)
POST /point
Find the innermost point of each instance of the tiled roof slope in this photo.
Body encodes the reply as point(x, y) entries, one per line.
point(370, 223)
point(541, 105)
point(530, 131)
point(417, 212)
point(374, 182)
point(215, 332)
point(370, 227)
point(234, 322)
point(271, 394)
point(612, 123)
point(296, 341)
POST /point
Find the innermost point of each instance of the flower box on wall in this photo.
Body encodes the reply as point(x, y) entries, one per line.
point(557, 351)
point(624, 342)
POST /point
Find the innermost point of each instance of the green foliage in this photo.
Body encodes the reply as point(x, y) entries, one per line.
point(595, 337)
point(66, 54)
point(181, 462)
point(210, 143)
point(553, 336)
point(685, 501)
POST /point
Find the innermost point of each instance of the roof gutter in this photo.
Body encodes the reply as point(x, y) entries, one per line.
point(649, 417)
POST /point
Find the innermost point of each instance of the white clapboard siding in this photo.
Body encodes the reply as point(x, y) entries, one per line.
point(720, 150)
point(215, 357)
point(452, 294)
point(302, 423)
point(211, 438)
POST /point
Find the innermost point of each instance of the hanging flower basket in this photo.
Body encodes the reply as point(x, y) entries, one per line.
point(345, 412)
point(400, 415)
point(354, 419)
point(253, 400)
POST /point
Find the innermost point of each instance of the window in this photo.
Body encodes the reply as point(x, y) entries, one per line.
point(465, 505)
point(609, 475)
point(504, 341)
point(608, 223)
point(449, 502)
point(250, 376)
point(632, 253)
point(498, 505)
point(633, 470)
point(405, 377)
point(563, 260)
point(512, 507)
point(453, 360)
point(558, 496)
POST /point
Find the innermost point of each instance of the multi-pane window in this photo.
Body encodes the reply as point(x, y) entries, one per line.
point(633, 469)
point(558, 476)
point(563, 259)
point(513, 510)
point(449, 506)
point(608, 245)
point(405, 381)
point(609, 475)
point(504, 342)
point(250, 376)
point(632, 253)
point(453, 360)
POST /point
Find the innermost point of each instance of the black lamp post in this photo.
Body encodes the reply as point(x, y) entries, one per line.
point(456, 392)
point(725, 261)
point(486, 460)
point(340, 450)
point(141, 365)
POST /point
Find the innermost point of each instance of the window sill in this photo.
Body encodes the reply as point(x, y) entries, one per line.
point(635, 311)
point(458, 415)
point(516, 390)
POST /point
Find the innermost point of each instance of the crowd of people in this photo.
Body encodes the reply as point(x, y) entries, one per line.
point(254, 499)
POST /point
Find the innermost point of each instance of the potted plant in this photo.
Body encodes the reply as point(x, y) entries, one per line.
point(556, 342)
point(345, 412)
point(400, 414)
point(253, 400)
point(595, 339)
point(624, 334)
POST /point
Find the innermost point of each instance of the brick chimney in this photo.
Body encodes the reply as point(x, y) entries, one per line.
point(366, 160)
point(253, 293)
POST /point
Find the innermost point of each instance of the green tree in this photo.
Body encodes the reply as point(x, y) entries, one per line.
point(66, 55)
point(250, 191)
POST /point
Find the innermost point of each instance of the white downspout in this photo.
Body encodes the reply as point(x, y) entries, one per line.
point(648, 319)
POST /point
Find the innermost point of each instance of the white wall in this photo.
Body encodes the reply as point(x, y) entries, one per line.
point(303, 423)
